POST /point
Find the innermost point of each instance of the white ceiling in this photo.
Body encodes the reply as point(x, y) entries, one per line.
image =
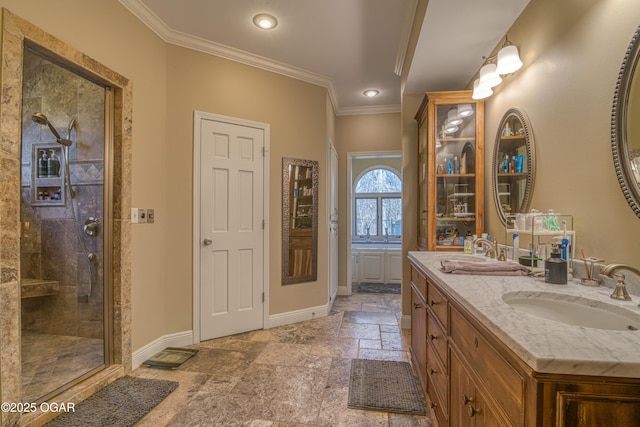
point(345, 45)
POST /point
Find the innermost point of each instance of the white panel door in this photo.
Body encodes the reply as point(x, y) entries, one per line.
point(231, 231)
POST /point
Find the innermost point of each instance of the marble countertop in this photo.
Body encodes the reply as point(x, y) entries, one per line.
point(546, 346)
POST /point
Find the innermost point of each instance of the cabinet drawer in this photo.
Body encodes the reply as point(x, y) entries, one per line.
point(438, 304)
point(437, 339)
point(420, 282)
point(439, 378)
point(438, 407)
point(500, 379)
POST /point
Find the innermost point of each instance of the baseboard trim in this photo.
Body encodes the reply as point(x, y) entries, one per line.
point(295, 316)
point(179, 339)
point(405, 321)
point(342, 290)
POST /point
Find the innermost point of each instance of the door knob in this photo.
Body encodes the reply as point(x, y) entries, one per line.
point(207, 242)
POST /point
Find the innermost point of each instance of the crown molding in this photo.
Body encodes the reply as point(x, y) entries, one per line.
point(376, 109)
point(405, 35)
point(168, 35)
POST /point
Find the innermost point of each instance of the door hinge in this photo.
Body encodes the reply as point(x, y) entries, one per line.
point(263, 223)
point(263, 297)
point(264, 151)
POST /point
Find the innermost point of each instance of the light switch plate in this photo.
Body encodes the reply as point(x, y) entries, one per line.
point(134, 215)
point(142, 216)
point(151, 218)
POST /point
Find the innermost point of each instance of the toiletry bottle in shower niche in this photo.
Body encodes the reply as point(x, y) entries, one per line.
point(43, 169)
point(53, 164)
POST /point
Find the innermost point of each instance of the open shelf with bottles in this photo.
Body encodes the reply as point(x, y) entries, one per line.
point(451, 170)
point(302, 184)
point(47, 179)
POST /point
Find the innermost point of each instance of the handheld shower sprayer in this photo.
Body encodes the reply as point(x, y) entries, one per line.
point(42, 119)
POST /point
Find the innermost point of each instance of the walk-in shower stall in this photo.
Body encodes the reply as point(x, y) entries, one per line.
point(62, 235)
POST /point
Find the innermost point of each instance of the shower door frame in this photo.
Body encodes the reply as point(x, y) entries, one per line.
point(16, 32)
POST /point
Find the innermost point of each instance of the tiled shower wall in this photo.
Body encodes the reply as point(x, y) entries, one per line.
point(50, 248)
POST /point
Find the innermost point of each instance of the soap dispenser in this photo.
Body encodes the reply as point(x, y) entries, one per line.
point(555, 268)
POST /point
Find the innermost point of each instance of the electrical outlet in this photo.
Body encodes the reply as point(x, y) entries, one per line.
point(151, 218)
point(142, 216)
point(134, 216)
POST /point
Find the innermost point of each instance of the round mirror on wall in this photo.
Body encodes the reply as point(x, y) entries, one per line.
point(513, 164)
point(625, 126)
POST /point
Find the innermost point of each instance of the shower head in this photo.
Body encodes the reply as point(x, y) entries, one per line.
point(42, 119)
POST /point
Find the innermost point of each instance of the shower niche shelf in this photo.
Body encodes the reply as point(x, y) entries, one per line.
point(47, 175)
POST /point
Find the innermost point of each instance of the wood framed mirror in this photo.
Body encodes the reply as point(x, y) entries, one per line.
point(513, 164)
point(299, 221)
point(625, 126)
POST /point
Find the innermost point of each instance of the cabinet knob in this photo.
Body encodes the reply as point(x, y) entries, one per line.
point(472, 411)
point(416, 306)
point(466, 400)
point(432, 303)
point(433, 405)
point(433, 337)
point(432, 371)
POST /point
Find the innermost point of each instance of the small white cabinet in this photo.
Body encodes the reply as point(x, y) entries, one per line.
point(376, 265)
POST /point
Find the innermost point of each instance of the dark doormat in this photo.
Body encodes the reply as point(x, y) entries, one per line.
point(122, 403)
point(377, 288)
point(381, 385)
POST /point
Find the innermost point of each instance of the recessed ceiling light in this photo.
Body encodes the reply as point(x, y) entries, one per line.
point(371, 93)
point(265, 21)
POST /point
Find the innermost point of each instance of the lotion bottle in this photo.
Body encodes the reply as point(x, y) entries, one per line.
point(555, 268)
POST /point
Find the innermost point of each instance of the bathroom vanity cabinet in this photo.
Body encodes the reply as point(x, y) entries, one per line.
point(450, 169)
point(473, 378)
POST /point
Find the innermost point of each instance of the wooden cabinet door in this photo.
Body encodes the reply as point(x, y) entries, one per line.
point(419, 337)
point(467, 405)
point(463, 393)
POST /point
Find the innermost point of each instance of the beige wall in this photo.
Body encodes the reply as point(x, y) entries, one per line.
point(357, 134)
point(296, 112)
point(572, 52)
point(169, 83)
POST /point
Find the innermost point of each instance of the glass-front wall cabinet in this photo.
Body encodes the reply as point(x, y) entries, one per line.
point(451, 170)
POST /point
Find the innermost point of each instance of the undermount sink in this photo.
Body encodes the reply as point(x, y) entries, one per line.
point(574, 310)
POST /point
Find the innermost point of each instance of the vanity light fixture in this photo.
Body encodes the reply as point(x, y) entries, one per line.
point(371, 93)
point(506, 61)
point(489, 77)
point(480, 92)
point(265, 21)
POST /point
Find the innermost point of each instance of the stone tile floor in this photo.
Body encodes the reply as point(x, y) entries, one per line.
point(294, 375)
point(51, 361)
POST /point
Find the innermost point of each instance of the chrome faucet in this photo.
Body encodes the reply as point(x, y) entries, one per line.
point(491, 246)
point(620, 291)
